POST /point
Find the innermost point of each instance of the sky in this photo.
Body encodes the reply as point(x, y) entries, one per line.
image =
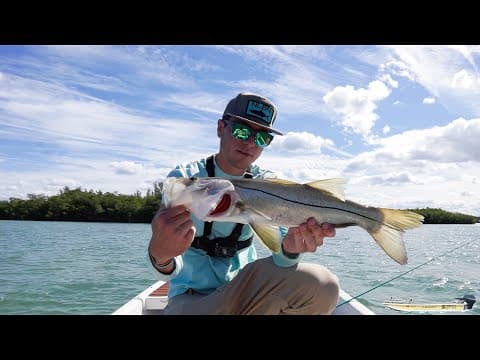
point(401, 124)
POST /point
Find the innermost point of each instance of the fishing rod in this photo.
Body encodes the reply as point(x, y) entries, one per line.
point(406, 272)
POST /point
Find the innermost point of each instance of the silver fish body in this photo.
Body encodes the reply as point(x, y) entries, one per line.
point(291, 204)
point(267, 204)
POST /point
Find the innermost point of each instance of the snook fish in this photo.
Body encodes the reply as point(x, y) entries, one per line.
point(269, 203)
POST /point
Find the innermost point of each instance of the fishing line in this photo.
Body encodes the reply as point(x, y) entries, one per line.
point(406, 272)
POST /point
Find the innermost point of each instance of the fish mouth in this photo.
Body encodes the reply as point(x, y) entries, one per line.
point(222, 206)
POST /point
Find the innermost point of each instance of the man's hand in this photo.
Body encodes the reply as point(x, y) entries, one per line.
point(307, 236)
point(172, 233)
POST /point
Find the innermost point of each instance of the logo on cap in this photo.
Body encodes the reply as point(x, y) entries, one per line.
point(260, 110)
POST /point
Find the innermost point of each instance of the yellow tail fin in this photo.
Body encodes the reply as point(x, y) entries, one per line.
point(389, 235)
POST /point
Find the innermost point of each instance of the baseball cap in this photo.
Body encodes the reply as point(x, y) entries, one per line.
point(254, 109)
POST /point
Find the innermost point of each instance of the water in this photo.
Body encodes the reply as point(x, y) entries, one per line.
point(94, 268)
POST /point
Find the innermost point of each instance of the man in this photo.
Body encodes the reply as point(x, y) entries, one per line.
point(213, 267)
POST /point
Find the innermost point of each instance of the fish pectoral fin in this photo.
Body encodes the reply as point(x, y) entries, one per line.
point(333, 186)
point(268, 235)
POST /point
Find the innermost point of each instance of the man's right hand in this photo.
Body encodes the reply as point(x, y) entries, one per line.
point(172, 233)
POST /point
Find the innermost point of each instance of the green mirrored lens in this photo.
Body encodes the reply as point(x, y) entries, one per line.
point(240, 132)
point(263, 138)
point(243, 132)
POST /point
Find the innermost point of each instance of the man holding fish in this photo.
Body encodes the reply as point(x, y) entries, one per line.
point(202, 237)
point(235, 282)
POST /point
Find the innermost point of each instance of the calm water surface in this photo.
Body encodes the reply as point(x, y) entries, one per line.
point(94, 268)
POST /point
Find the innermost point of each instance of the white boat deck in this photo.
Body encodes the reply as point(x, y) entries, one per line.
point(153, 300)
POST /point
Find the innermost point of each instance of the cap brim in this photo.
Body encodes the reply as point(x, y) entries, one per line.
point(256, 123)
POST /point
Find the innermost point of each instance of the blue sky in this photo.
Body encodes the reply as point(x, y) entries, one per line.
point(400, 123)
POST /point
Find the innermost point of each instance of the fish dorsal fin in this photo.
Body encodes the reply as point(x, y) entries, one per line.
point(333, 186)
point(281, 181)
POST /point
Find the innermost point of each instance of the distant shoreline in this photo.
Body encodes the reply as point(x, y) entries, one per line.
point(142, 222)
point(440, 216)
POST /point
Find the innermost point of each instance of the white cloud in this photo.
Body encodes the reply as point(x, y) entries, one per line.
point(296, 81)
point(425, 185)
point(143, 64)
point(429, 100)
point(357, 106)
point(51, 186)
point(397, 103)
point(300, 141)
point(126, 167)
point(54, 114)
point(303, 167)
point(202, 102)
point(454, 142)
point(464, 79)
point(398, 68)
point(420, 168)
point(446, 72)
point(392, 179)
point(387, 78)
point(386, 129)
point(95, 174)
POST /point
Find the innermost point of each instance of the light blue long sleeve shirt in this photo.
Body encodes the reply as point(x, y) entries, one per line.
point(194, 268)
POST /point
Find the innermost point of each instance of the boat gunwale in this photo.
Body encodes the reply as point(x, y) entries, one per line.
point(152, 301)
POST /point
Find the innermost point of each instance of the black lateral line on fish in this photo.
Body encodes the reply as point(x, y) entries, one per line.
point(313, 205)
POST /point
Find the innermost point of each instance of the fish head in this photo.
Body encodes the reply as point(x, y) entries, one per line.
point(209, 199)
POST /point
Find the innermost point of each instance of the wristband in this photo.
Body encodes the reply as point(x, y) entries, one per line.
point(157, 265)
point(292, 256)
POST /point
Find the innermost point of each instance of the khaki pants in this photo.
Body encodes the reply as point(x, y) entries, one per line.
point(262, 288)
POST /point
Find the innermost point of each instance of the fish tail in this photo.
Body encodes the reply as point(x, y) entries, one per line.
point(389, 234)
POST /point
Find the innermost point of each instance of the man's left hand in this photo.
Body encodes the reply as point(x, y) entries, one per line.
point(307, 236)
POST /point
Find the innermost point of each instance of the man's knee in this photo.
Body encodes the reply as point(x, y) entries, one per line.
point(322, 286)
point(329, 292)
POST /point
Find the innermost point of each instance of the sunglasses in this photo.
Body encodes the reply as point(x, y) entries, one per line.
point(242, 132)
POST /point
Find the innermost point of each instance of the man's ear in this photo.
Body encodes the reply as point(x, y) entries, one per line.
point(220, 126)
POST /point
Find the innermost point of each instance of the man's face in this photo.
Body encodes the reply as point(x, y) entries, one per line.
point(239, 153)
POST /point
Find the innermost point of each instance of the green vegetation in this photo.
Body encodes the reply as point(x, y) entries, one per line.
point(439, 216)
point(82, 205)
